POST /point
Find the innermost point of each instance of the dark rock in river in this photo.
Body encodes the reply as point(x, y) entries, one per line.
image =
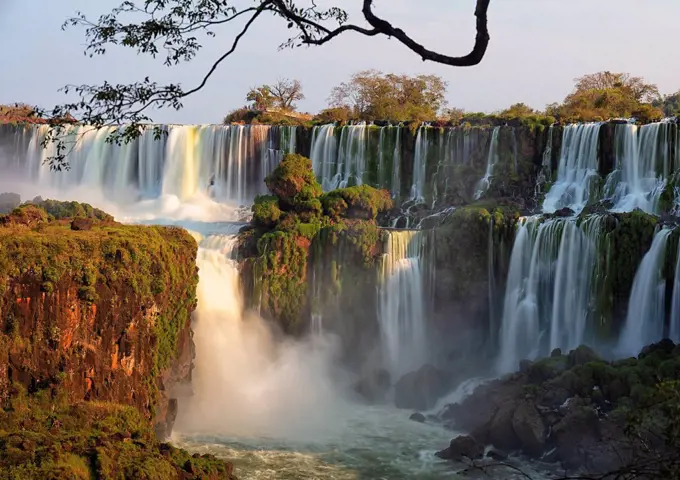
point(463, 446)
point(374, 387)
point(421, 389)
point(417, 417)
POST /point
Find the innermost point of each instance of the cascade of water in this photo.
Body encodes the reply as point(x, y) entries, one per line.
point(577, 170)
point(645, 318)
point(400, 303)
point(547, 299)
point(492, 159)
point(674, 331)
point(228, 162)
point(324, 154)
point(643, 157)
point(395, 185)
point(419, 165)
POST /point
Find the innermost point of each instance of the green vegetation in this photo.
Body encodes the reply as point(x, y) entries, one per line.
point(45, 436)
point(604, 95)
point(277, 249)
point(373, 95)
point(142, 261)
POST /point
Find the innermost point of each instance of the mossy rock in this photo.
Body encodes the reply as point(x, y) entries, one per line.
point(44, 436)
point(293, 181)
point(361, 202)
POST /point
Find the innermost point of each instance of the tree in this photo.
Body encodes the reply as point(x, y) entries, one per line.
point(286, 93)
point(604, 95)
point(670, 104)
point(518, 110)
point(454, 114)
point(261, 97)
point(172, 28)
point(372, 95)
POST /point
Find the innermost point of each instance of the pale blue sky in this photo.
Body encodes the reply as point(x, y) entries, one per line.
point(537, 48)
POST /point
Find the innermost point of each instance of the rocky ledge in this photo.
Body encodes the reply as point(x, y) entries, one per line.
point(95, 342)
point(579, 412)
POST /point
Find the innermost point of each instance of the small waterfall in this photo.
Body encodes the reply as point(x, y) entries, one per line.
point(401, 311)
point(485, 182)
point(645, 319)
point(577, 172)
point(419, 165)
point(324, 154)
point(674, 330)
point(547, 299)
point(643, 165)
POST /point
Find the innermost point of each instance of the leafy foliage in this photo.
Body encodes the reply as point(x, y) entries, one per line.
point(373, 95)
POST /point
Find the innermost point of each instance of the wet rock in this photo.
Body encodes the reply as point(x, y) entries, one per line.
point(525, 366)
point(497, 454)
point(557, 352)
point(463, 446)
point(564, 212)
point(417, 417)
point(421, 389)
point(501, 430)
point(81, 224)
point(529, 428)
point(582, 355)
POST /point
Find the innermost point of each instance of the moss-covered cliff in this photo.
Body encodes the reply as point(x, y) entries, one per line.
point(97, 312)
point(305, 249)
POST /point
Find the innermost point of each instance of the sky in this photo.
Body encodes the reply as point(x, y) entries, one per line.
point(537, 49)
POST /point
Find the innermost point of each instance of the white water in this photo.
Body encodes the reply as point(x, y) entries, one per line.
point(492, 159)
point(548, 293)
point(674, 331)
point(577, 170)
point(226, 162)
point(645, 319)
point(642, 166)
point(401, 310)
point(419, 165)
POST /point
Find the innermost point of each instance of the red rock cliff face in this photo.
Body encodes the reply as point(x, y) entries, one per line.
point(102, 314)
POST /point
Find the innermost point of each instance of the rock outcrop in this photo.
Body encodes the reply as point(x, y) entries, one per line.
point(98, 314)
point(576, 409)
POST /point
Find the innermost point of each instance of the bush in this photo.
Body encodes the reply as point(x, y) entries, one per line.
point(293, 182)
point(266, 211)
point(361, 202)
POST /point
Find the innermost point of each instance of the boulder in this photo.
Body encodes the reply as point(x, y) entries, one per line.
point(463, 446)
point(374, 386)
point(582, 355)
point(82, 224)
point(501, 430)
point(529, 428)
point(564, 212)
point(417, 417)
point(421, 389)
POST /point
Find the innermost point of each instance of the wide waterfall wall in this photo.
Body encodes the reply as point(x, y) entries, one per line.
point(226, 162)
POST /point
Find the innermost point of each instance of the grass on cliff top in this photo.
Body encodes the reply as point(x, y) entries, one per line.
point(146, 261)
point(47, 438)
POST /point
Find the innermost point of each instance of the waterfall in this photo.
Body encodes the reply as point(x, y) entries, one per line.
point(401, 311)
point(547, 299)
point(643, 164)
point(492, 159)
point(357, 154)
point(419, 165)
point(645, 319)
point(577, 171)
point(227, 162)
point(674, 330)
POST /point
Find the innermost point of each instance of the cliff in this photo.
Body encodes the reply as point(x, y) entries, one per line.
point(97, 312)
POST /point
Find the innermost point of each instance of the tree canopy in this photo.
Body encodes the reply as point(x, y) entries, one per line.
point(281, 95)
point(604, 95)
point(373, 95)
